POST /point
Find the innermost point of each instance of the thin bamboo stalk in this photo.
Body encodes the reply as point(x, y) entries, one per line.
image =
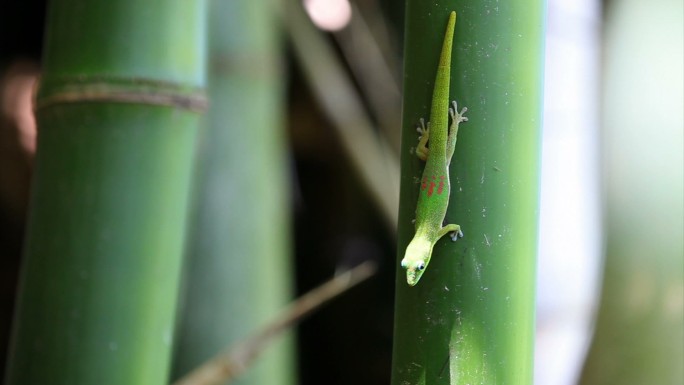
point(239, 272)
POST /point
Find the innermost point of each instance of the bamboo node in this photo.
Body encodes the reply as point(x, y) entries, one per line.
point(100, 89)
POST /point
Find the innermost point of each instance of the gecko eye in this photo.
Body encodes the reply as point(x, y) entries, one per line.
point(404, 264)
point(421, 266)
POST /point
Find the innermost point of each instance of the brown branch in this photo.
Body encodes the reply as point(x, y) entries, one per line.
point(228, 365)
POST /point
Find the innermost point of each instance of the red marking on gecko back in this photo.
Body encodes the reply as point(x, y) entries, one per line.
point(432, 187)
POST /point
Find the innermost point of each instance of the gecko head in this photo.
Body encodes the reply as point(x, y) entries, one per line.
point(414, 270)
point(416, 260)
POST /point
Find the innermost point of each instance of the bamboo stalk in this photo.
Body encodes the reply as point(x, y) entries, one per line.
point(117, 115)
point(471, 317)
point(639, 331)
point(238, 270)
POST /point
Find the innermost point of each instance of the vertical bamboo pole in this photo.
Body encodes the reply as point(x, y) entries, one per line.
point(117, 113)
point(238, 265)
point(639, 335)
point(471, 317)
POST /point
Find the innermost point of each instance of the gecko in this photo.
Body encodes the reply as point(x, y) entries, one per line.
point(433, 198)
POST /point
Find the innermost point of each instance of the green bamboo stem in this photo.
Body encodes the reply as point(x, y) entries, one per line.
point(471, 317)
point(239, 268)
point(639, 335)
point(117, 113)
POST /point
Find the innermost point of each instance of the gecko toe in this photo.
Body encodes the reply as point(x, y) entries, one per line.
point(455, 235)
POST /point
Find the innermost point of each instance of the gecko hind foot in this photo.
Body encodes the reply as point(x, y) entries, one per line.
point(457, 116)
point(424, 131)
point(423, 128)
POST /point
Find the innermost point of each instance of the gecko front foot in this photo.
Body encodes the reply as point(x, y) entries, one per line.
point(453, 230)
point(456, 116)
point(456, 234)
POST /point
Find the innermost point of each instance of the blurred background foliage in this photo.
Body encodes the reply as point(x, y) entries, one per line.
point(340, 217)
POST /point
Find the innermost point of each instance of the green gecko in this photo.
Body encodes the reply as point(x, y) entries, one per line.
point(434, 185)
